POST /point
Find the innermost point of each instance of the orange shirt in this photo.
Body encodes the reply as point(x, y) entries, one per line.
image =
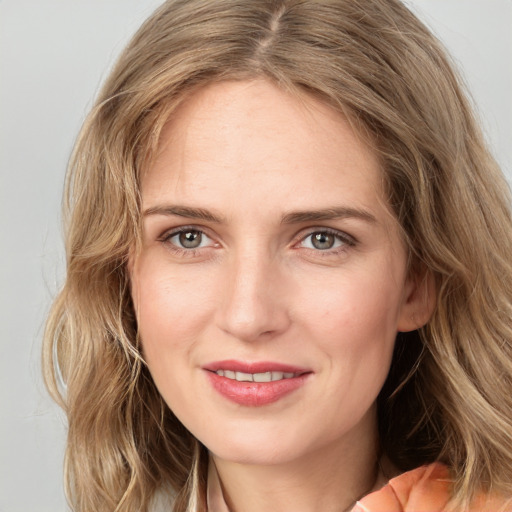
point(425, 489)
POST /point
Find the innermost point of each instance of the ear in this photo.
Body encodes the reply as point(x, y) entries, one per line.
point(418, 303)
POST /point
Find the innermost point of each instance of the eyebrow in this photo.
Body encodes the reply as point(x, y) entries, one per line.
point(183, 211)
point(327, 214)
point(289, 218)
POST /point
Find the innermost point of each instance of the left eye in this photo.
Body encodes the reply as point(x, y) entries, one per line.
point(189, 239)
point(323, 241)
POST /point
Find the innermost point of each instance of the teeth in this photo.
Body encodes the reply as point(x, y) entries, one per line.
point(255, 377)
point(262, 377)
point(243, 377)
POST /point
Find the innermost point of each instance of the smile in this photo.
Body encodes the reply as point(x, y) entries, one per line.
point(255, 377)
point(255, 384)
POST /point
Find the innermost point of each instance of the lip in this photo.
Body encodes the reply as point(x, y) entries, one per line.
point(253, 367)
point(255, 394)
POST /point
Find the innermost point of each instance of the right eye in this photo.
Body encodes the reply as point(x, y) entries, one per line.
point(188, 239)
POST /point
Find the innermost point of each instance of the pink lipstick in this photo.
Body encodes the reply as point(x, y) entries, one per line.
point(255, 384)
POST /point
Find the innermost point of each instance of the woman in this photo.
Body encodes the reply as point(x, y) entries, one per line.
point(288, 283)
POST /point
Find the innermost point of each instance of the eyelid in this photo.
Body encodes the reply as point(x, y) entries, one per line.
point(344, 237)
point(168, 234)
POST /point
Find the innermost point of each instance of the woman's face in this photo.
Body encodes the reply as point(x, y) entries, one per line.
point(272, 279)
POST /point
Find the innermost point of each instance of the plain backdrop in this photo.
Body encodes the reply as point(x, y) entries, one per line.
point(53, 56)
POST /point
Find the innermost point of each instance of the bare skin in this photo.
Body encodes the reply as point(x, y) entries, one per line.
point(267, 241)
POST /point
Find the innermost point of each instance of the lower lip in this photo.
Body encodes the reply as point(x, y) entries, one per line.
point(254, 394)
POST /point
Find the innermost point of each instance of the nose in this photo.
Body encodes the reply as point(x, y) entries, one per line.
point(253, 302)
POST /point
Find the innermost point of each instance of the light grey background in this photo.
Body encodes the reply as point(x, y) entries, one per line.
point(53, 55)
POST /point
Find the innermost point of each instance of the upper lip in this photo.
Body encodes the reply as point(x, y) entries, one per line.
point(254, 367)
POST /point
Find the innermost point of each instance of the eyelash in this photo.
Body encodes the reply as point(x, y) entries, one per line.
point(181, 251)
point(345, 240)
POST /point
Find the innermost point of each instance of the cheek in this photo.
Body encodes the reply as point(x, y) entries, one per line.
point(354, 322)
point(169, 305)
point(352, 307)
point(172, 310)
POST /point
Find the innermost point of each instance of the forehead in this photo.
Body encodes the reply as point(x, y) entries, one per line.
point(253, 136)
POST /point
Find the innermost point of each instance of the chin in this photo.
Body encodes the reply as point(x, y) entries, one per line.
point(255, 446)
point(255, 455)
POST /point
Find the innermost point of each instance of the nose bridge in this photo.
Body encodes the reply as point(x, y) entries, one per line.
point(250, 306)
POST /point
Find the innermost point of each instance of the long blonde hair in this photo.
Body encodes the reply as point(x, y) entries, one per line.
point(448, 396)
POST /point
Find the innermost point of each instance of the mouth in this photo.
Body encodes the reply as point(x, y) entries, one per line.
point(255, 384)
point(256, 377)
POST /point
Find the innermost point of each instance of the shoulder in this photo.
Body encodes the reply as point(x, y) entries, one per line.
point(425, 489)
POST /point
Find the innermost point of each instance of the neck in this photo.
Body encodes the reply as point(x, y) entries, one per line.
point(329, 479)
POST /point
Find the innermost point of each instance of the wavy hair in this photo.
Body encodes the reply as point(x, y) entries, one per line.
point(447, 396)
